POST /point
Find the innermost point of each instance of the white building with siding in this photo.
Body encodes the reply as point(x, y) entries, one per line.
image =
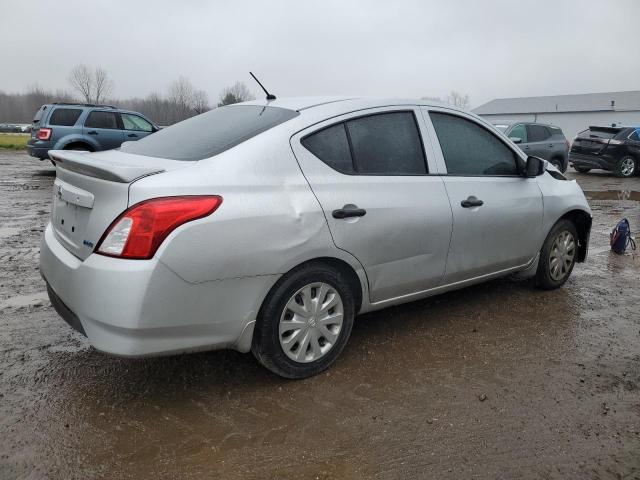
point(572, 113)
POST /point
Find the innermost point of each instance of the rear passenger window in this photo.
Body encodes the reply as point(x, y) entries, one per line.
point(65, 117)
point(387, 144)
point(332, 147)
point(537, 133)
point(470, 149)
point(102, 120)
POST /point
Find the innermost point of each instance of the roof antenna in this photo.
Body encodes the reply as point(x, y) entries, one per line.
point(269, 96)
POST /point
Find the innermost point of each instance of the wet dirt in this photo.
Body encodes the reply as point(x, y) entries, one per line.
point(494, 381)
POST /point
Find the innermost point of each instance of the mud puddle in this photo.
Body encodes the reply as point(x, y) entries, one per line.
point(613, 195)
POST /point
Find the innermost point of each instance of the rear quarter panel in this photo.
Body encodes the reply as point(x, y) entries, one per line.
point(269, 220)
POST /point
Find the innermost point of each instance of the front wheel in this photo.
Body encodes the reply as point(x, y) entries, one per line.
point(626, 167)
point(305, 322)
point(556, 162)
point(557, 256)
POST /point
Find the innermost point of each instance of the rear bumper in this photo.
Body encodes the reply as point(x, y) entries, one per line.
point(592, 161)
point(39, 152)
point(142, 308)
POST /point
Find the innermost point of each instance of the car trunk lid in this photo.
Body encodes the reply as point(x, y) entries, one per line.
point(92, 189)
point(595, 140)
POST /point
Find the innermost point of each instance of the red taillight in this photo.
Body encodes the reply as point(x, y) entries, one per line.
point(140, 230)
point(44, 133)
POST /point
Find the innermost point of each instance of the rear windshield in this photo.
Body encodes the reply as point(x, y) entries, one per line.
point(599, 132)
point(211, 133)
point(39, 113)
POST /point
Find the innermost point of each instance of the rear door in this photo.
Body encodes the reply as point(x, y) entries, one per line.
point(497, 214)
point(370, 173)
point(105, 128)
point(135, 127)
point(539, 141)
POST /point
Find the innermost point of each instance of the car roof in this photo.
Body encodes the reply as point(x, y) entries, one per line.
point(520, 122)
point(316, 109)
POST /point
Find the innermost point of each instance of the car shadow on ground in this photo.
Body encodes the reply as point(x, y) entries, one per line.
point(45, 173)
point(389, 332)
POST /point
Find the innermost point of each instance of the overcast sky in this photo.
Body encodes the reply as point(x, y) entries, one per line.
point(400, 48)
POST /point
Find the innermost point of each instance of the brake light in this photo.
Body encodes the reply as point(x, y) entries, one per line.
point(44, 133)
point(140, 230)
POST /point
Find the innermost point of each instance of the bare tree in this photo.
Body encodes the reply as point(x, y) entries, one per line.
point(81, 79)
point(459, 100)
point(181, 94)
point(200, 102)
point(93, 87)
point(103, 85)
point(235, 94)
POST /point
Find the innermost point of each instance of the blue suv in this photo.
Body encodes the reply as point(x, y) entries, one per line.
point(67, 126)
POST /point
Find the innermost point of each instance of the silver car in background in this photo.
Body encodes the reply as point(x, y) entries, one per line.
point(268, 225)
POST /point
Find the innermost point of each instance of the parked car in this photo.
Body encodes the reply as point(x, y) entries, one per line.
point(540, 140)
point(9, 128)
point(616, 149)
point(66, 126)
point(268, 225)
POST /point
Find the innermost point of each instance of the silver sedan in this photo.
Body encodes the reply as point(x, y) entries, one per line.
point(268, 225)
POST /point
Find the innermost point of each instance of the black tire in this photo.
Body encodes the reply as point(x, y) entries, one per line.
point(557, 162)
point(266, 337)
point(544, 278)
point(582, 169)
point(623, 172)
point(79, 148)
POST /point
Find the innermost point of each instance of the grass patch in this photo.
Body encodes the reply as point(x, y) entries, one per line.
point(14, 141)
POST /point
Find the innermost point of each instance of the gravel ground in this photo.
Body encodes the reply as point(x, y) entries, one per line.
point(494, 381)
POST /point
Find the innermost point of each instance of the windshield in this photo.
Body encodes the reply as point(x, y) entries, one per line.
point(211, 133)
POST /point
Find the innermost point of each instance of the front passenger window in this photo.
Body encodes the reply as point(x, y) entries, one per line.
point(470, 149)
point(519, 132)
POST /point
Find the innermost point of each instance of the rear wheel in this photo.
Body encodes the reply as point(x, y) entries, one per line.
point(582, 169)
point(79, 147)
point(557, 256)
point(305, 322)
point(626, 167)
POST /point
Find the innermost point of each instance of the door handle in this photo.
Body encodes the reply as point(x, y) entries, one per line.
point(551, 145)
point(345, 212)
point(92, 132)
point(132, 135)
point(471, 202)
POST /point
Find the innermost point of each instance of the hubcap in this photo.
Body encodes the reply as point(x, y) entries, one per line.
point(627, 166)
point(562, 254)
point(311, 322)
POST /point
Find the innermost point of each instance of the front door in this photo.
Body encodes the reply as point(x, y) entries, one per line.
point(135, 127)
point(104, 128)
point(371, 177)
point(497, 214)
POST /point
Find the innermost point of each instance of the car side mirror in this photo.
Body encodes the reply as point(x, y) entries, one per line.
point(534, 167)
point(515, 139)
